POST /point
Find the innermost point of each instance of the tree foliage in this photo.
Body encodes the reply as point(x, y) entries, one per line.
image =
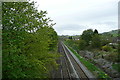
point(96, 41)
point(90, 38)
point(70, 37)
point(106, 48)
point(29, 41)
point(87, 35)
point(82, 44)
point(95, 31)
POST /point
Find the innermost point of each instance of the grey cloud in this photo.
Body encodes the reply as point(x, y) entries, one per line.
point(107, 22)
point(70, 29)
point(111, 24)
point(73, 18)
point(73, 27)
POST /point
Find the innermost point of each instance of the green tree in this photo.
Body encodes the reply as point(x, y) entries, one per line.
point(87, 35)
point(82, 44)
point(27, 35)
point(70, 37)
point(96, 41)
point(95, 31)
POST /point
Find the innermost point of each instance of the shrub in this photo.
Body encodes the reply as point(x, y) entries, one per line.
point(96, 41)
point(82, 44)
point(105, 42)
point(106, 48)
point(114, 57)
point(116, 67)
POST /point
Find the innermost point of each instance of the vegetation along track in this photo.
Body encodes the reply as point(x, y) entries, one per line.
point(70, 67)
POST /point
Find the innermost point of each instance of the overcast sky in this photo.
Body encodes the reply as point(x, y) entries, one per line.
point(72, 17)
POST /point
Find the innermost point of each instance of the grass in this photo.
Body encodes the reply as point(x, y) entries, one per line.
point(96, 71)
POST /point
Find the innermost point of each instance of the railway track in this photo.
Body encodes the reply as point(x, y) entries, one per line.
point(70, 67)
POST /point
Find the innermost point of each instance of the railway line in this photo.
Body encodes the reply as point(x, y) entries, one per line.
point(70, 67)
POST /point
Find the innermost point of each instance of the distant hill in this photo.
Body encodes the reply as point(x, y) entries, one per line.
point(114, 33)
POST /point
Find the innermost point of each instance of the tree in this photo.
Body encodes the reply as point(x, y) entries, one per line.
point(82, 44)
point(27, 35)
point(87, 35)
point(95, 31)
point(70, 37)
point(96, 41)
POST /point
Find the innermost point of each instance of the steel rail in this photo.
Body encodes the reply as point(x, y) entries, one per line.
point(73, 69)
point(83, 68)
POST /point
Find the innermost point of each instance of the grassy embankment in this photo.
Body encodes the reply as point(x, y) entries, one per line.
point(95, 70)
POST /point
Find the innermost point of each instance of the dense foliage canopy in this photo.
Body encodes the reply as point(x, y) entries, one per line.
point(29, 41)
point(87, 35)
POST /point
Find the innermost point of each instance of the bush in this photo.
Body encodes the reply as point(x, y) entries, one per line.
point(96, 41)
point(114, 57)
point(105, 42)
point(106, 48)
point(116, 67)
point(82, 44)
